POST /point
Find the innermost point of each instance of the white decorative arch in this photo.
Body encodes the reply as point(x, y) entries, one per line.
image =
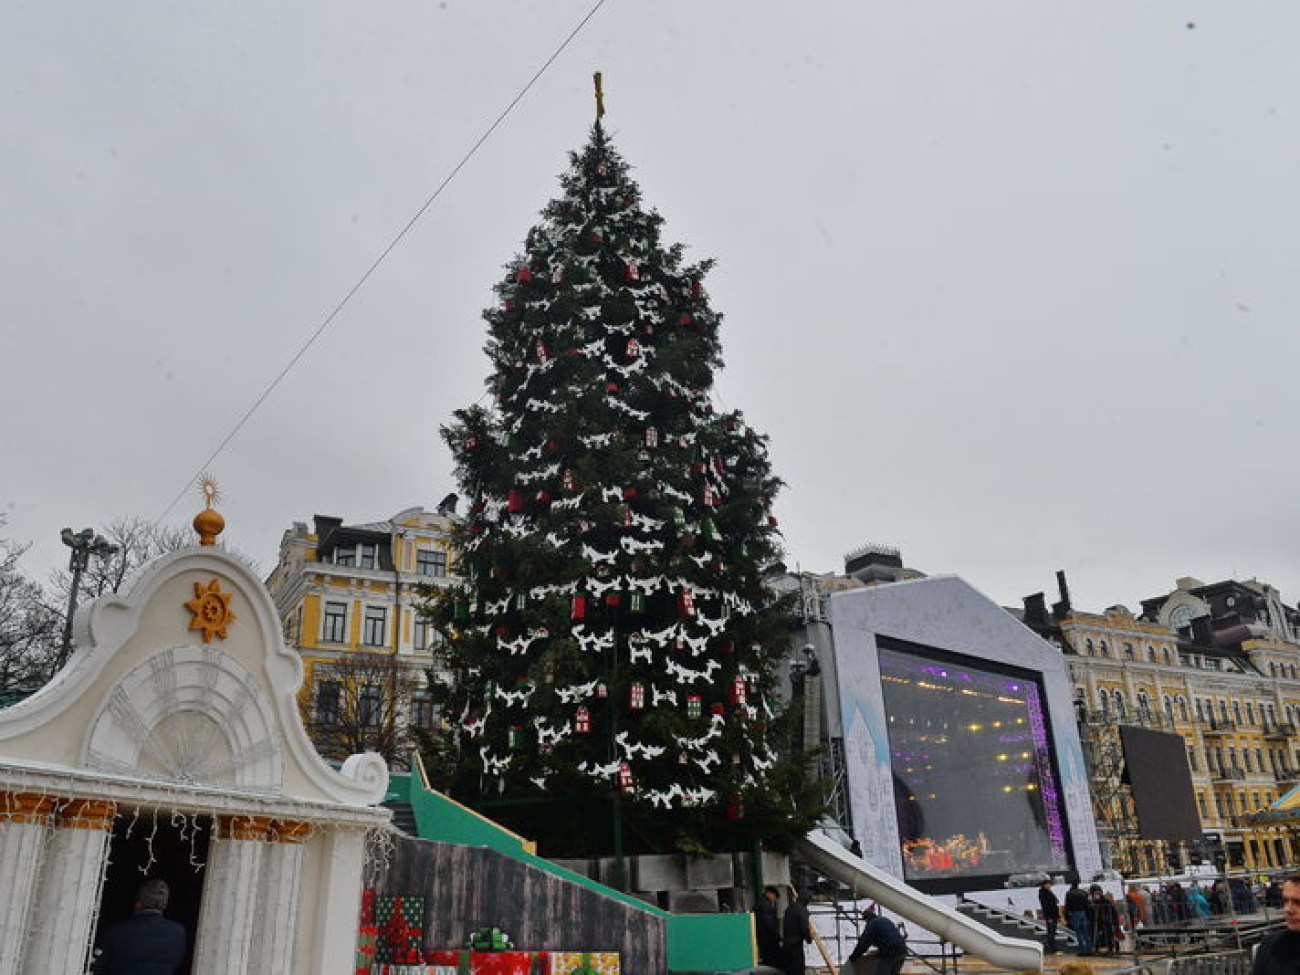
point(189, 714)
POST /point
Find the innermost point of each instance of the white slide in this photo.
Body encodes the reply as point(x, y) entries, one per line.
point(1014, 954)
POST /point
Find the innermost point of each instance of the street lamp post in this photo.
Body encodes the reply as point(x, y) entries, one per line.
point(84, 544)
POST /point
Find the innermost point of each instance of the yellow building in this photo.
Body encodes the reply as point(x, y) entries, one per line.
point(348, 598)
point(1226, 680)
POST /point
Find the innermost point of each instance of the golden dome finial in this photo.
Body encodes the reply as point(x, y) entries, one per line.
point(208, 522)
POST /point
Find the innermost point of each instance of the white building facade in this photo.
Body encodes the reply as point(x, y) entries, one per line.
point(171, 746)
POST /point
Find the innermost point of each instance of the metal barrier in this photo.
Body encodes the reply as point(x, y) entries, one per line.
point(1222, 963)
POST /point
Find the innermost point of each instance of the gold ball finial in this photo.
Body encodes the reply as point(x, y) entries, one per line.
point(208, 522)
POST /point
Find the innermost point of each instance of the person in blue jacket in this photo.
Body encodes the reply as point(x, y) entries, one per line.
point(883, 935)
point(146, 943)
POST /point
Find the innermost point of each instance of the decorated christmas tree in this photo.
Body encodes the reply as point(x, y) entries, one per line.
point(614, 641)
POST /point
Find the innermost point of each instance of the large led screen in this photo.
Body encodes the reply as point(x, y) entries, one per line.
point(1155, 765)
point(975, 789)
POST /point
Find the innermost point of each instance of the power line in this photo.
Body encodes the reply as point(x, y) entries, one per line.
point(374, 266)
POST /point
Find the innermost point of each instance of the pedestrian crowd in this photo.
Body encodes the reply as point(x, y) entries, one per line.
point(1100, 921)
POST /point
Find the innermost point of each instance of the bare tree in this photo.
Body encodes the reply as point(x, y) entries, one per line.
point(361, 702)
point(29, 628)
point(138, 543)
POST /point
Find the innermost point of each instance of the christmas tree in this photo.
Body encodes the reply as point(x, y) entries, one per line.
point(614, 637)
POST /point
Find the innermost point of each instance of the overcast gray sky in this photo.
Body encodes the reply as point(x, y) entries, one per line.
point(1010, 285)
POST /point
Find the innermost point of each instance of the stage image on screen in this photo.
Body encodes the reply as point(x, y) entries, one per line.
point(975, 788)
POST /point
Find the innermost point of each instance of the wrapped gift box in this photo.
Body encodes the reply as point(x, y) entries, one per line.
point(501, 962)
point(450, 958)
point(582, 963)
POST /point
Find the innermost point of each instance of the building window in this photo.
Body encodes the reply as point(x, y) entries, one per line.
point(345, 555)
point(369, 705)
point(374, 627)
point(1182, 708)
point(1103, 649)
point(1128, 652)
point(422, 709)
point(430, 562)
point(422, 635)
point(1087, 647)
point(1103, 701)
point(334, 626)
point(367, 556)
point(1121, 707)
point(327, 701)
point(1205, 806)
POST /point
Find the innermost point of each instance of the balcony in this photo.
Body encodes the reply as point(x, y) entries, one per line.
point(1287, 778)
point(1228, 775)
point(1279, 732)
point(1218, 726)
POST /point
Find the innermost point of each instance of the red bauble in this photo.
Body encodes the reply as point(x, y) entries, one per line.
point(524, 275)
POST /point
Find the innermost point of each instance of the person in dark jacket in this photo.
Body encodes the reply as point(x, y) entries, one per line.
point(1079, 916)
point(1051, 907)
point(145, 944)
point(767, 928)
point(1105, 921)
point(1279, 954)
point(883, 935)
point(795, 933)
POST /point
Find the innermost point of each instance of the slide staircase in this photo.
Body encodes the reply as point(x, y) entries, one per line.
point(1015, 925)
point(973, 937)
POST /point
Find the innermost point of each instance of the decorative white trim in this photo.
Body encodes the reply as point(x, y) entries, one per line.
point(66, 902)
point(22, 849)
point(106, 625)
point(278, 894)
point(229, 912)
point(193, 714)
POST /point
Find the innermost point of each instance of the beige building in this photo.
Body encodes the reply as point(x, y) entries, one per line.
point(1219, 665)
point(349, 599)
